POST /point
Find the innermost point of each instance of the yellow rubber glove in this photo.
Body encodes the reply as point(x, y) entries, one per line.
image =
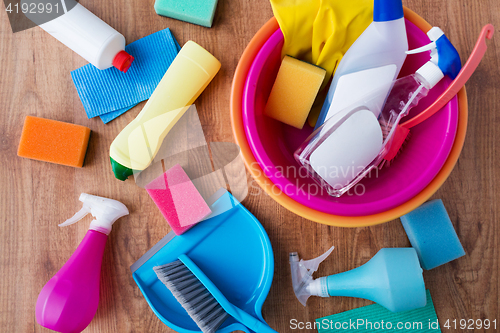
point(320, 32)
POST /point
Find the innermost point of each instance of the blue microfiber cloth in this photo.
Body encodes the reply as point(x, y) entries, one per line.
point(107, 117)
point(114, 92)
point(376, 318)
point(431, 233)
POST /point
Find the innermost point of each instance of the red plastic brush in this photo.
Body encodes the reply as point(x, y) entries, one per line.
point(402, 133)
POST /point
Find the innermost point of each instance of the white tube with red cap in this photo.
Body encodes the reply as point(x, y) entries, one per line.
point(90, 37)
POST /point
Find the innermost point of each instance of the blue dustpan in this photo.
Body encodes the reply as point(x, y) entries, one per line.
point(231, 248)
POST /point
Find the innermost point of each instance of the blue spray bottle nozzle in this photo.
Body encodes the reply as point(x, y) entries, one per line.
point(445, 59)
point(449, 60)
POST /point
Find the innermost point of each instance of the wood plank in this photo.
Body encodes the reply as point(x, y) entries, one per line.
point(36, 196)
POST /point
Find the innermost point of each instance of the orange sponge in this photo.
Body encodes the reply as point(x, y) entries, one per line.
point(294, 91)
point(54, 141)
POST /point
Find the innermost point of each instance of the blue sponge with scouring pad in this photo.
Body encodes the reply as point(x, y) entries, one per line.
point(199, 12)
point(432, 235)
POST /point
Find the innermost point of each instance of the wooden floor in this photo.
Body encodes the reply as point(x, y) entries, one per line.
point(36, 196)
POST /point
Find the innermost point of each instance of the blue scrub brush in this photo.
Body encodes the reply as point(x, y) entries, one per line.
point(202, 300)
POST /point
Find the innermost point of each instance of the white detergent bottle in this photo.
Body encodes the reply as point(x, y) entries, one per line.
point(85, 33)
point(372, 62)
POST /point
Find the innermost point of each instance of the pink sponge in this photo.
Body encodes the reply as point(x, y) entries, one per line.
point(178, 199)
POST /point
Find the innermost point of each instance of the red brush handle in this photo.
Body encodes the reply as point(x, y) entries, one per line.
point(457, 84)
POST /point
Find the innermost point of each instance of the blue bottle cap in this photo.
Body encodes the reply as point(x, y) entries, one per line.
point(387, 10)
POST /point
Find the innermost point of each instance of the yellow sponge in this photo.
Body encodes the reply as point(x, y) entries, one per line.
point(294, 91)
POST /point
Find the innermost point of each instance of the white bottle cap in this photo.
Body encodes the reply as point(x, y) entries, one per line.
point(435, 33)
point(430, 74)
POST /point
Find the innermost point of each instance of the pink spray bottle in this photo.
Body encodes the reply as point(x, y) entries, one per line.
point(68, 302)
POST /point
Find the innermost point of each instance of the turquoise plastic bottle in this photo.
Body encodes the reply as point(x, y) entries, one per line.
point(392, 278)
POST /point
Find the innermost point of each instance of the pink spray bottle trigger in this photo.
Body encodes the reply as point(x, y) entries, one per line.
point(69, 301)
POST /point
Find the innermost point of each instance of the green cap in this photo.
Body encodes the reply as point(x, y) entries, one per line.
point(121, 172)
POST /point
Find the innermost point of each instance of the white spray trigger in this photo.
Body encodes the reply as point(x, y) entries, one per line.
point(434, 34)
point(302, 272)
point(77, 217)
point(429, 47)
point(313, 264)
point(105, 211)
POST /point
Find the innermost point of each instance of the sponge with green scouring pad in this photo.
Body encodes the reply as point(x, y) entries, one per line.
point(199, 12)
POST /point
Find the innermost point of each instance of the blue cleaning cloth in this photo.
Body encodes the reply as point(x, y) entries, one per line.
point(431, 233)
point(376, 318)
point(107, 117)
point(111, 91)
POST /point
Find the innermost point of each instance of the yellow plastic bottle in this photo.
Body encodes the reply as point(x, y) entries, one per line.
point(188, 75)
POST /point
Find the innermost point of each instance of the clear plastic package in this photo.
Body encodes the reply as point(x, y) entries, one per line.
point(355, 140)
point(361, 137)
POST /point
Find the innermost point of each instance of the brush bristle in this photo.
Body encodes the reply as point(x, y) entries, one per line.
point(194, 297)
point(399, 140)
point(387, 163)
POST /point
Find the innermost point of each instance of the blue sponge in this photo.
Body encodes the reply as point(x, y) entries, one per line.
point(432, 235)
point(199, 12)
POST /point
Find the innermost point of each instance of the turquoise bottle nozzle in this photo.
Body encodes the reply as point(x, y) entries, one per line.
point(392, 278)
